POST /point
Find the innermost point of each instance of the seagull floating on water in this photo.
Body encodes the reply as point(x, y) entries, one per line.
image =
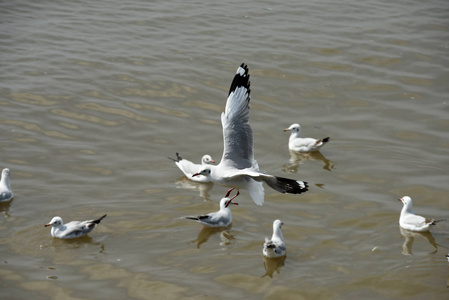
point(189, 168)
point(276, 246)
point(5, 187)
point(299, 144)
point(237, 167)
point(221, 218)
point(72, 229)
point(408, 219)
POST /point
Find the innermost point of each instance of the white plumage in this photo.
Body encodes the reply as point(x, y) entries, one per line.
point(189, 168)
point(221, 218)
point(408, 219)
point(238, 168)
point(275, 247)
point(72, 229)
point(298, 144)
point(5, 187)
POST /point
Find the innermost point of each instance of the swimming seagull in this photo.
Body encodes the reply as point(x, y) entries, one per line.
point(299, 144)
point(221, 218)
point(5, 187)
point(237, 167)
point(72, 229)
point(408, 219)
point(189, 168)
point(275, 247)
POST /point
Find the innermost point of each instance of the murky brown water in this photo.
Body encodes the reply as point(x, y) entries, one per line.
point(95, 95)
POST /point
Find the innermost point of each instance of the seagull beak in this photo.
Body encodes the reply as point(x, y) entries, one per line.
point(400, 199)
point(228, 192)
point(212, 161)
point(230, 202)
point(46, 225)
point(196, 174)
point(286, 129)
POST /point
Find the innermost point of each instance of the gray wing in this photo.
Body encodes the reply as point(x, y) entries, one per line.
point(237, 133)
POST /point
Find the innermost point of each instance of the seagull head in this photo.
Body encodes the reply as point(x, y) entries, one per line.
point(293, 128)
point(229, 200)
point(278, 224)
point(407, 201)
point(55, 222)
point(207, 159)
point(205, 172)
point(5, 173)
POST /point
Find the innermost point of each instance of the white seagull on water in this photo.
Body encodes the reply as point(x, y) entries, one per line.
point(276, 246)
point(237, 167)
point(221, 218)
point(408, 219)
point(72, 229)
point(299, 144)
point(189, 168)
point(5, 187)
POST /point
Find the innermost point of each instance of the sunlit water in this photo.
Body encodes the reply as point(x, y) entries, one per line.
point(96, 95)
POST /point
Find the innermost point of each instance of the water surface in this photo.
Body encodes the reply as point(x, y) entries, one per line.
point(94, 96)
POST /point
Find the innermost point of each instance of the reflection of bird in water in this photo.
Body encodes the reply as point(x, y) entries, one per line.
point(76, 243)
point(297, 159)
point(298, 144)
point(410, 238)
point(207, 232)
point(4, 207)
point(408, 219)
point(273, 265)
point(202, 187)
point(189, 168)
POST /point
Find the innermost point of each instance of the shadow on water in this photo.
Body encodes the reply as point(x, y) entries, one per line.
point(4, 207)
point(207, 232)
point(410, 238)
point(297, 159)
point(273, 265)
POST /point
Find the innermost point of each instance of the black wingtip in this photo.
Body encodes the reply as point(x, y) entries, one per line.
point(325, 140)
point(241, 79)
point(288, 186)
point(99, 220)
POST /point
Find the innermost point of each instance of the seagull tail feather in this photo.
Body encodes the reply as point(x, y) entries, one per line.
point(178, 158)
point(434, 222)
point(97, 221)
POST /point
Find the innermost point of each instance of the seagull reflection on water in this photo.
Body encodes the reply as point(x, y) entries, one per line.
point(202, 187)
point(65, 244)
point(4, 208)
point(206, 232)
point(296, 159)
point(410, 238)
point(273, 265)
